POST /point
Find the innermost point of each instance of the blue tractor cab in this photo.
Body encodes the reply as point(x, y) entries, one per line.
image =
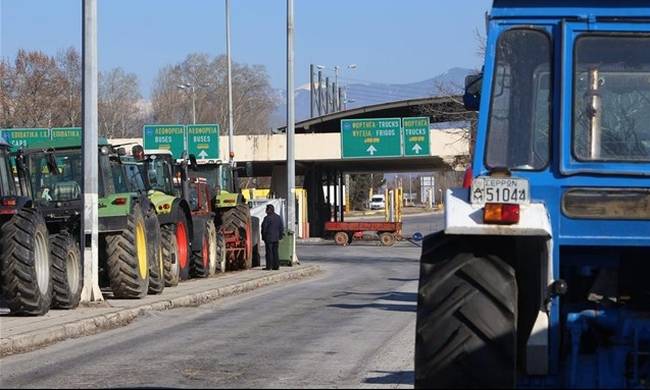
point(540, 277)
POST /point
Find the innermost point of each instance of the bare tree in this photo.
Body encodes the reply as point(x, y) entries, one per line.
point(69, 102)
point(120, 113)
point(34, 89)
point(253, 98)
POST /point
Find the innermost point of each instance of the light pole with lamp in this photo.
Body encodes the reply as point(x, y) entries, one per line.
point(193, 89)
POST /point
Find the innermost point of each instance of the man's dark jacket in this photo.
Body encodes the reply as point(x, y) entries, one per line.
point(272, 228)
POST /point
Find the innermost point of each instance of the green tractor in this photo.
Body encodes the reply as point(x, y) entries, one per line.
point(167, 189)
point(130, 263)
point(26, 267)
point(205, 259)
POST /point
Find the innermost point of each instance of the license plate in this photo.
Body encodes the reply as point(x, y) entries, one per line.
point(487, 189)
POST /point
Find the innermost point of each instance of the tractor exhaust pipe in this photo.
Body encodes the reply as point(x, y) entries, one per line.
point(595, 113)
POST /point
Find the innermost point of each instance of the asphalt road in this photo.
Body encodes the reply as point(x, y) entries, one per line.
point(353, 326)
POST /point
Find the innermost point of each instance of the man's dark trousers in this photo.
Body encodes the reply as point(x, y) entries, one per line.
point(272, 256)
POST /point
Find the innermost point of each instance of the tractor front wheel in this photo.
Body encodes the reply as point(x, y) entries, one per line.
point(466, 335)
point(156, 267)
point(25, 264)
point(170, 255)
point(67, 274)
point(204, 262)
point(182, 233)
point(127, 261)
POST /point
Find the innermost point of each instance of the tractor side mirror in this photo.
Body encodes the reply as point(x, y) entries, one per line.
point(472, 96)
point(193, 164)
point(52, 166)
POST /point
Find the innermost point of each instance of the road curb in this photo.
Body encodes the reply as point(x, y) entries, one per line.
point(89, 326)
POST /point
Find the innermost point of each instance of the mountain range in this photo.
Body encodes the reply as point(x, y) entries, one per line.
point(361, 94)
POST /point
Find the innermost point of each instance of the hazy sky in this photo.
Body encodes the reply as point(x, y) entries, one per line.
point(394, 41)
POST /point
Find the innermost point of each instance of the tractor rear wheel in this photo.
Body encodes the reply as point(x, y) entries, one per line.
point(239, 218)
point(466, 333)
point(127, 261)
point(156, 267)
point(204, 262)
point(67, 274)
point(170, 255)
point(25, 264)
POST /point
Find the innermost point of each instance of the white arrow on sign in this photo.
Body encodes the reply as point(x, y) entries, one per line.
point(372, 150)
point(417, 148)
point(203, 154)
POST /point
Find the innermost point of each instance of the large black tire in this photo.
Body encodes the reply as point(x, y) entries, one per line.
point(184, 241)
point(170, 255)
point(466, 332)
point(239, 218)
point(154, 252)
point(204, 261)
point(25, 264)
point(127, 262)
point(67, 271)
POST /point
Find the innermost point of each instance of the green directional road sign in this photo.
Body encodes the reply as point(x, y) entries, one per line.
point(168, 137)
point(203, 141)
point(416, 136)
point(66, 136)
point(367, 138)
point(25, 138)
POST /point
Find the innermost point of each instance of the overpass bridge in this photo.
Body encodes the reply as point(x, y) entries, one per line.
point(267, 151)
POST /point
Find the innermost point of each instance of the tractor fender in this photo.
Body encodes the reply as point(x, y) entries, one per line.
point(463, 219)
point(23, 201)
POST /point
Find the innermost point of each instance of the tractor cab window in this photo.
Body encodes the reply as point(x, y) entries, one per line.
point(61, 187)
point(119, 179)
point(158, 175)
point(611, 101)
point(520, 110)
point(134, 177)
point(6, 178)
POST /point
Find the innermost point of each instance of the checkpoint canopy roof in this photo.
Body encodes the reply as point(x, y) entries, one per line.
point(439, 109)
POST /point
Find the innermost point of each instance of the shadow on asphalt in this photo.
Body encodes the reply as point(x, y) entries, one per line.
point(392, 378)
point(385, 296)
point(380, 306)
point(358, 260)
point(403, 280)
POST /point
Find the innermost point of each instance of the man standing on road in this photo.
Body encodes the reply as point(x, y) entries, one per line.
point(272, 232)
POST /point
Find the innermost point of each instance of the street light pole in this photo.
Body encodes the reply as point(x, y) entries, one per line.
point(193, 105)
point(291, 162)
point(231, 150)
point(90, 227)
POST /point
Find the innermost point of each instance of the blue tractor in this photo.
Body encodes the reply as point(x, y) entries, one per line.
point(541, 276)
